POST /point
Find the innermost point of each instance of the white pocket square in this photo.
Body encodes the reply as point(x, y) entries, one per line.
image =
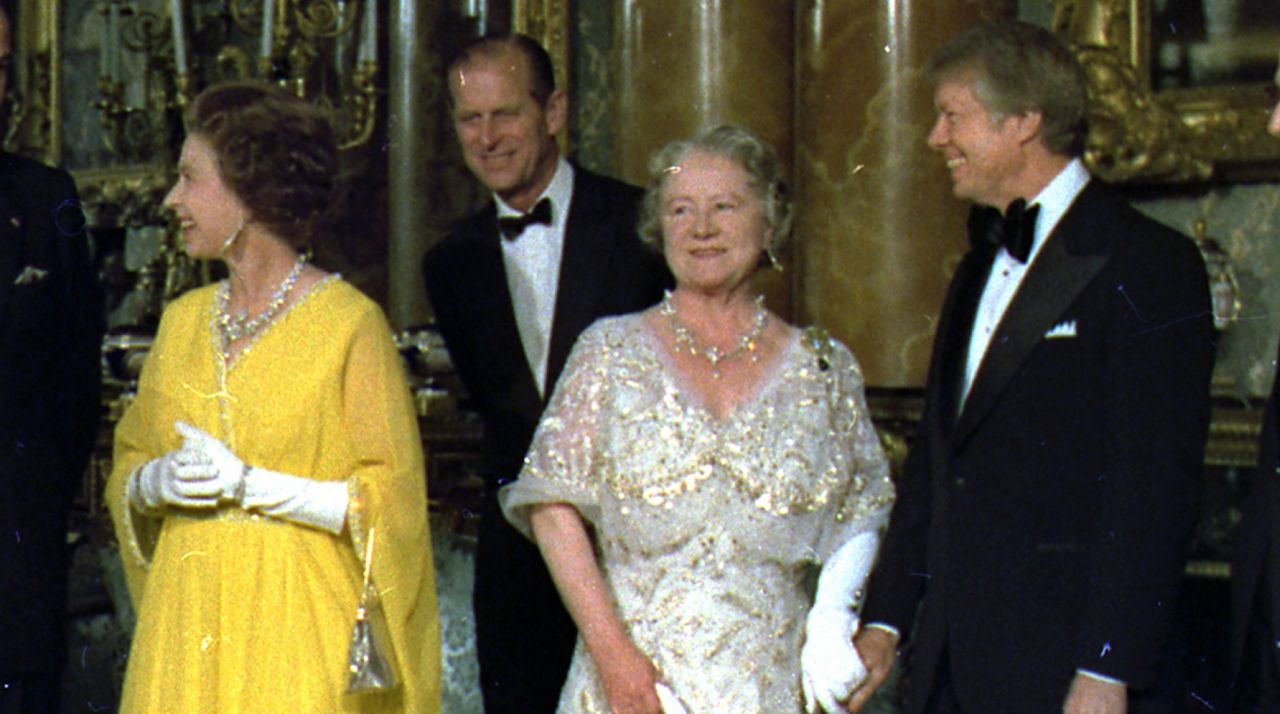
point(30, 274)
point(1062, 330)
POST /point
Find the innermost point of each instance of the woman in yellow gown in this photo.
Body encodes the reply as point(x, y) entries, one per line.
point(271, 433)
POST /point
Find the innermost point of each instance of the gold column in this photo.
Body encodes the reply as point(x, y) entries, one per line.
point(411, 132)
point(878, 230)
point(686, 64)
point(35, 130)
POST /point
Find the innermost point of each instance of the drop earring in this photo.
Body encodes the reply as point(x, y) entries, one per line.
point(231, 239)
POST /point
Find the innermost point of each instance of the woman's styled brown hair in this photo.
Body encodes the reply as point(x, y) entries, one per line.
point(277, 152)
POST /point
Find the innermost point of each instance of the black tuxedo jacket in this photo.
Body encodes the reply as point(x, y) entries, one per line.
point(1043, 527)
point(604, 270)
point(1255, 569)
point(50, 336)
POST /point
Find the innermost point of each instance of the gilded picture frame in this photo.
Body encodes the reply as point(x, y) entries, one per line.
point(1140, 135)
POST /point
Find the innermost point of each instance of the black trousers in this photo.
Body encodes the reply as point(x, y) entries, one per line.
point(942, 700)
point(1257, 689)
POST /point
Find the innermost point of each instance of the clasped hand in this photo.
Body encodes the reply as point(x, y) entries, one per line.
point(829, 664)
point(200, 474)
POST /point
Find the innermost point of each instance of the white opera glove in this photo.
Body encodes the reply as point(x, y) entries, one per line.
point(228, 469)
point(829, 663)
point(307, 501)
point(175, 479)
point(668, 699)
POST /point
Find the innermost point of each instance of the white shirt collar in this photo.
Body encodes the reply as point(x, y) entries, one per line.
point(1055, 199)
point(560, 191)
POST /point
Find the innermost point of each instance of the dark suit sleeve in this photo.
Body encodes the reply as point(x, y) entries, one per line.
point(899, 578)
point(83, 312)
point(1158, 363)
point(439, 272)
point(902, 570)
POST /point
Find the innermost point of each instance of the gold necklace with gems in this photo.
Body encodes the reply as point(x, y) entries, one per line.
point(240, 325)
point(747, 344)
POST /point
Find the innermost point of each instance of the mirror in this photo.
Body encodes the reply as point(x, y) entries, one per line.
point(1213, 43)
point(1187, 102)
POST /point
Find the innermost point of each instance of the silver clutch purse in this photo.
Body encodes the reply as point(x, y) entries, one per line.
point(371, 657)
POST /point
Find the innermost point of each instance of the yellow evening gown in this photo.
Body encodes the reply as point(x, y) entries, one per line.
point(243, 613)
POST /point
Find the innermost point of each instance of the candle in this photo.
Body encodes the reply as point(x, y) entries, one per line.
point(113, 35)
point(179, 37)
point(268, 28)
point(368, 50)
point(104, 49)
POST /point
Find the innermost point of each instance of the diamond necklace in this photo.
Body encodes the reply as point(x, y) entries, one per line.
point(240, 325)
point(748, 343)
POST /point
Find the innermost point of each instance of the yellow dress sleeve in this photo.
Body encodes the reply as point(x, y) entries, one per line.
point(388, 493)
point(146, 432)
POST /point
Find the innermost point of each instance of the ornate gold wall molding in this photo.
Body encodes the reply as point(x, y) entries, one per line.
point(34, 128)
point(131, 194)
point(1139, 134)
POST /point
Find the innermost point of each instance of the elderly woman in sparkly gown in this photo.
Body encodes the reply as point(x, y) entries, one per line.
point(272, 438)
point(699, 461)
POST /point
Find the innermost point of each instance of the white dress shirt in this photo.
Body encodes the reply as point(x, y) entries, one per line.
point(532, 263)
point(1007, 273)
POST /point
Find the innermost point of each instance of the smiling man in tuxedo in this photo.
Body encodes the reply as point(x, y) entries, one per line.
point(1050, 494)
point(512, 287)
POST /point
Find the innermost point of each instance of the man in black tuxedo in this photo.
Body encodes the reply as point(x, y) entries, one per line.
point(512, 287)
point(1050, 494)
point(50, 332)
point(1255, 571)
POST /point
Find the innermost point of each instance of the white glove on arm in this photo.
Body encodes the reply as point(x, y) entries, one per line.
point(829, 664)
point(668, 699)
point(306, 501)
point(319, 504)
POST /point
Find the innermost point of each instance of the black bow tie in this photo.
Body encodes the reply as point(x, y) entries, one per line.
point(1015, 229)
point(512, 226)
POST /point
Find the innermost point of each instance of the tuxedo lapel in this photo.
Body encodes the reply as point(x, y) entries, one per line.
point(955, 327)
point(1053, 282)
point(583, 259)
point(489, 305)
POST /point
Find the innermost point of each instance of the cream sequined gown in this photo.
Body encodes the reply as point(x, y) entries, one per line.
point(709, 531)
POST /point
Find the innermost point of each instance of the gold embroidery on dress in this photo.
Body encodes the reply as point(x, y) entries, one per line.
point(707, 530)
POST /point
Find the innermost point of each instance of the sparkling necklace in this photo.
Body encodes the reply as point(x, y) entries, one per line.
point(747, 344)
point(240, 325)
